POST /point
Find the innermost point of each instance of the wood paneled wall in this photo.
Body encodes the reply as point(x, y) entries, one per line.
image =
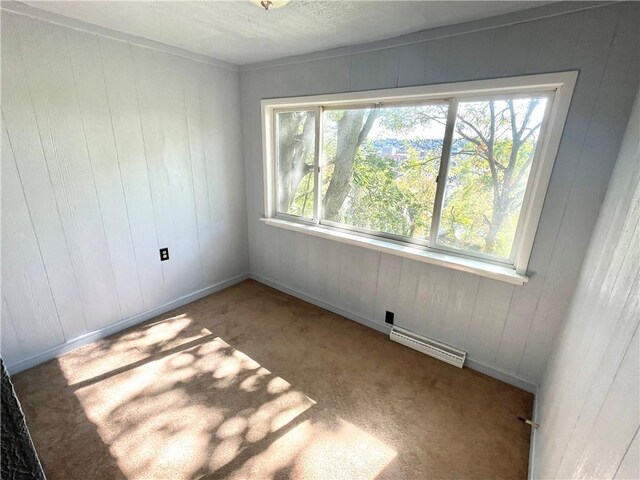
point(509, 328)
point(589, 400)
point(109, 152)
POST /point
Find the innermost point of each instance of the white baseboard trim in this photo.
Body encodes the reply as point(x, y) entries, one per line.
point(344, 312)
point(506, 377)
point(120, 325)
point(511, 379)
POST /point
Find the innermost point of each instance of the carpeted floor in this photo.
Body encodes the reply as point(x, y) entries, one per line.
point(251, 383)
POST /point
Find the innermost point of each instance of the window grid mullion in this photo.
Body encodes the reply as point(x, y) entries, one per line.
point(443, 171)
point(317, 201)
point(276, 167)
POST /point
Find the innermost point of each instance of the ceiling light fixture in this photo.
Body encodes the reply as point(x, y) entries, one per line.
point(270, 4)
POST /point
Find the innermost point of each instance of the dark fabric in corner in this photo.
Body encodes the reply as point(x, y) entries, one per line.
point(19, 458)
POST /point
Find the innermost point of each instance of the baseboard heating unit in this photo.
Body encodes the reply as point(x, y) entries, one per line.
point(428, 346)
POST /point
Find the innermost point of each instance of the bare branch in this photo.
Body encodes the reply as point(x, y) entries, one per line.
point(522, 170)
point(491, 159)
point(532, 106)
point(472, 127)
point(531, 132)
point(367, 125)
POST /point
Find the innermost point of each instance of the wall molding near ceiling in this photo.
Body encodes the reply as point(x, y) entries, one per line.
point(50, 17)
point(521, 16)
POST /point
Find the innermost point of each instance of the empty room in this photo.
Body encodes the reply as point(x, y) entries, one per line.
point(320, 240)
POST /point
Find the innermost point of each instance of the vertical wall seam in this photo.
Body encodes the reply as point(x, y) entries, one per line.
point(93, 176)
point(204, 155)
point(193, 186)
point(473, 310)
point(625, 452)
point(146, 159)
point(35, 234)
point(18, 346)
point(46, 163)
point(115, 146)
point(375, 294)
point(504, 326)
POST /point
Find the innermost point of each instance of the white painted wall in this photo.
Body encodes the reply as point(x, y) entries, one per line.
point(590, 398)
point(109, 152)
point(509, 328)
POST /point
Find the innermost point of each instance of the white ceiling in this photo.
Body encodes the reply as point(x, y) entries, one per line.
point(240, 32)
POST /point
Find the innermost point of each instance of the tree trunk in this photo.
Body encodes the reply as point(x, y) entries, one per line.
point(293, 148)
point(503, 190)
point(350, 134)
point(500, 211)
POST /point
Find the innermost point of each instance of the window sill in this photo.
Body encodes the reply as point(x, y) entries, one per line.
point(477, 267)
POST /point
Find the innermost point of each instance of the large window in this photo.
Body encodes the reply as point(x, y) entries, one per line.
point(459, 169)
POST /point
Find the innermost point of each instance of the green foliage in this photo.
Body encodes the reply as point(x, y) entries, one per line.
point(391, 196)
point(494, 143)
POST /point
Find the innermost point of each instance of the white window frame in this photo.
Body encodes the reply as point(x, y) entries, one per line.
point(559, 88)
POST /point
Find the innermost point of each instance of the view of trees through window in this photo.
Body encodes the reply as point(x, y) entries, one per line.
point(492, 150)
point(380, 169)
point(295, 162)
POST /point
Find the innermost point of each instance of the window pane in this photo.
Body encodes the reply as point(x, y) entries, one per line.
point(295, 162)
point(492, 150)
point(381, 166)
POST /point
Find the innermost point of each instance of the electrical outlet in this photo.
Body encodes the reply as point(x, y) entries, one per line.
point(164, 254)
point(388, 317)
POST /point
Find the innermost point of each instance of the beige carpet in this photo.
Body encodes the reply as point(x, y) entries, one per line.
point(251, 383)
